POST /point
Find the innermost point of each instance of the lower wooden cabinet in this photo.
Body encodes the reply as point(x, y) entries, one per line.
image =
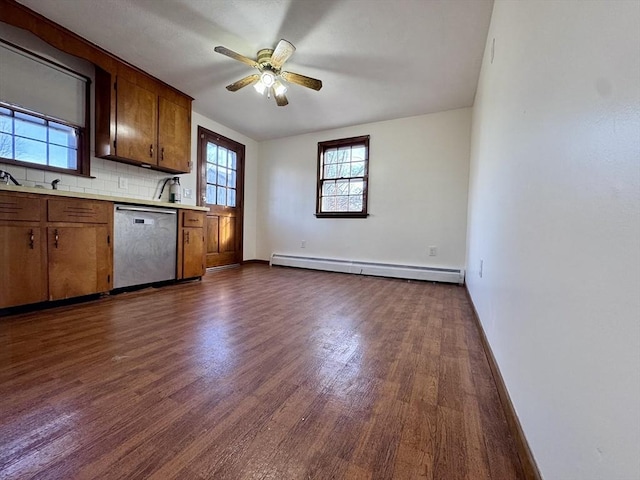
point(191, 250)
point(79, 261)
point(22, 258)
point(53, 248)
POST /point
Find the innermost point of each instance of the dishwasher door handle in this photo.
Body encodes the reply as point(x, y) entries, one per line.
point(150, 210)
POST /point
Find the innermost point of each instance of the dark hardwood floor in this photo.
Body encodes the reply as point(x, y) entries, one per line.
point(254, 373)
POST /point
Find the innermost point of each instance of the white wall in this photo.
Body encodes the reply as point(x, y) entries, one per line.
point(418, 174)
point(250, 176)
point(554, 213)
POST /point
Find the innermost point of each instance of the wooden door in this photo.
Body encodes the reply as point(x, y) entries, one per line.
point(221, 188)
point(136, 122)
point(21, 257)
point(174, 136)
point(79, 260)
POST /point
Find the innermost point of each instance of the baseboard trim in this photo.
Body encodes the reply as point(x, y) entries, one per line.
point(529, 466)
point(255, 261)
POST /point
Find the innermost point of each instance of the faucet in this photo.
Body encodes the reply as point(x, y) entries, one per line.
point(6, 176)
point(54, 184)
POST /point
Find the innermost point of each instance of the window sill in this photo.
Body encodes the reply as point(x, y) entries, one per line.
point(341, 215)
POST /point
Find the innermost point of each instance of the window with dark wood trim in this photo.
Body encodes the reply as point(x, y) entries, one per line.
point(44, 131)
point(343, 178)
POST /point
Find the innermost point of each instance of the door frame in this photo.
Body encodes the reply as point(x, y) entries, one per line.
point(205, 135)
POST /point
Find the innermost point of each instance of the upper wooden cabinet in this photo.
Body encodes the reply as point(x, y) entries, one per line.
point(142, 122)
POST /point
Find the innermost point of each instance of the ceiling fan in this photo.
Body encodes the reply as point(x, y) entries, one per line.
point(271, 79)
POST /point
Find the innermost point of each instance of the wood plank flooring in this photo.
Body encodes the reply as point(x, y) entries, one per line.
point(254, 373)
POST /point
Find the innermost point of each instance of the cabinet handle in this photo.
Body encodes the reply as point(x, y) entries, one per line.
point(187, 237)
point(162, 154)
point(32, 239)
point(56, 238)
point(151, 150)
point(192, 220)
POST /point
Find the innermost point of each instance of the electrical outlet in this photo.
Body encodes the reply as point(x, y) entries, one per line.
point(303, 244)
point(481, 265)
point(186, 192)
point(123, 183)
point(433, 251)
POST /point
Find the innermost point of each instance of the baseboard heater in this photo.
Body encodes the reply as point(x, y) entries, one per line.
point(410, 272)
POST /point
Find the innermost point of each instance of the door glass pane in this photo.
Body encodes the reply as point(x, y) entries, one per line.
point(232, 179)
point(212, 173)
point(222, 156)
point(222, 196)
point(231, 197)
point(222, 177)
point(211, 194)
point(232, 160)
point(212, 150)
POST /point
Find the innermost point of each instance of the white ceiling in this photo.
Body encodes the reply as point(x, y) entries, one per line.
point(377, 59)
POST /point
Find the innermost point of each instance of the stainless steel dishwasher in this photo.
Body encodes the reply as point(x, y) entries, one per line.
point(144, 245)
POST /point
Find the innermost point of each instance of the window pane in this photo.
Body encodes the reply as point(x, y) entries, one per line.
point(30, 151)
point(328, 188)
point(222, 177)
point(232, 159)
point(357, 169)
point(344, 170)
point(211, 194)
point(330, 171)
point(344, 154)
point(222, 196)
point(342, 187)
point(62, 135)
point(30, 127)
point(328, 204)
point(6, 121)
point(212, 173)
point(343, 204)
point(357, 153)
point(231, 197)
point(356, 187)
point(330, 156)
point(355, 203)
point(232, 178)
point(6, 145)
point(62, 157)
point(212, 150)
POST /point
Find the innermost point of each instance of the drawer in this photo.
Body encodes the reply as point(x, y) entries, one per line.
point(192, 218)
point(16, 207)
point(78, 211)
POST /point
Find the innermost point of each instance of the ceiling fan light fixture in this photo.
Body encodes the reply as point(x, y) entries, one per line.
point(260, 87)
point(279, 87)
point(268, 78)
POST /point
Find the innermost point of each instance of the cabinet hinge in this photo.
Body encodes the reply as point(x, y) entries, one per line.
point(114, 144)
point(108, 278)
point(108, 239)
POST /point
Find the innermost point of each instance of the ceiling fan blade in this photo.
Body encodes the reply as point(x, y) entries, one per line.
point(243, 82)
point(236, 56)
point(281, 100)
point(282, 53)
point(303, 80)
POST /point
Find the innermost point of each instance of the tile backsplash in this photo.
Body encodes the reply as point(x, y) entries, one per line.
point(139, 182)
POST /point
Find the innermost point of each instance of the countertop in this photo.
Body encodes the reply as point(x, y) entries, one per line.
point(93, 196)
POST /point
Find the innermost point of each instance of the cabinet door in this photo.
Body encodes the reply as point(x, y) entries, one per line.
point(79, 261)
point(136, 122)
point(193, 252)
point(22, 277)
point(174, 136)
